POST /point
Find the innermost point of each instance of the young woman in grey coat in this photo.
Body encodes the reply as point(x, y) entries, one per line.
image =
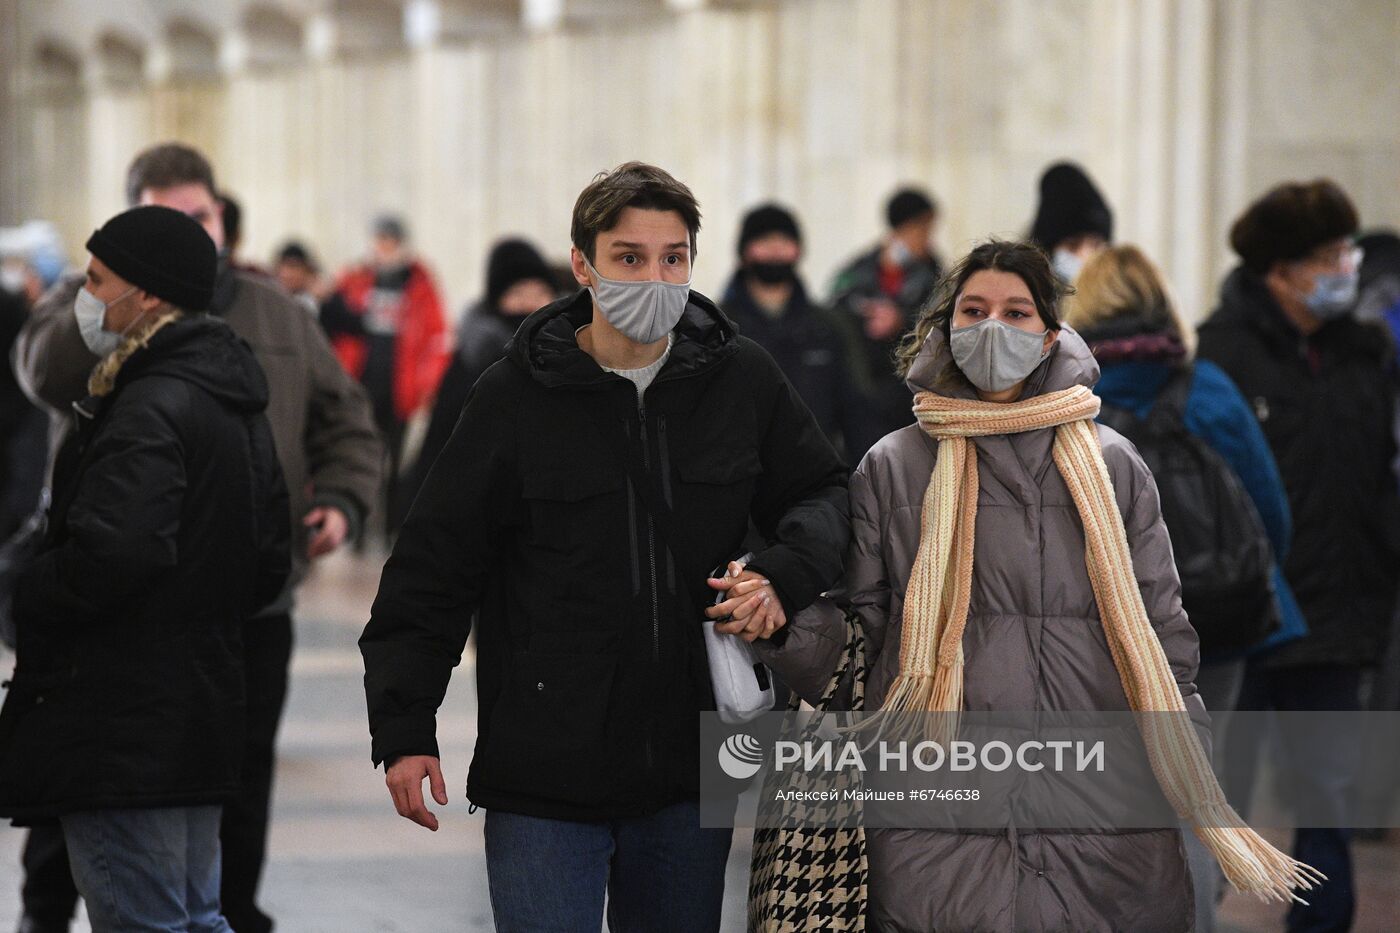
point(1033, 638)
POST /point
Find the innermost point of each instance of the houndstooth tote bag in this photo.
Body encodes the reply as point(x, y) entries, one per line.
point(804, 880)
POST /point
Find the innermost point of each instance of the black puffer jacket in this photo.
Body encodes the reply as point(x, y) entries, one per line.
point(169, 528)
point(591, 670)
point(1325, 405)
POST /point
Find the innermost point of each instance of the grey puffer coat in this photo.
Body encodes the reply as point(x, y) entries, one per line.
point(1033, 642)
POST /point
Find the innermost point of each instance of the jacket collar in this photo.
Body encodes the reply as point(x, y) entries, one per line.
point(546, 345)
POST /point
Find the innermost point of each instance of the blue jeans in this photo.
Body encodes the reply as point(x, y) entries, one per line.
point(662, 873)
point(147, 869)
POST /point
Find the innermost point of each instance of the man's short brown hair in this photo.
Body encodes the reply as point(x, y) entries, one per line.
point(165, 166)
point(633, 184)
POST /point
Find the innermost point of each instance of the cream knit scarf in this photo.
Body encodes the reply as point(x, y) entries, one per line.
point(936, 604)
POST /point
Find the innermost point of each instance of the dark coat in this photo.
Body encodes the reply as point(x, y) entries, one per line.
point(169, 529)
point(812, 347)
point(481, 341)
point(886, 400)
point(591, 669)
point(1325, 405)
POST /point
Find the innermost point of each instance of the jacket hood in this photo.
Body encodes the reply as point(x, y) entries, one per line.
point(546, 345)
point(205, 352)
point(1069, 364)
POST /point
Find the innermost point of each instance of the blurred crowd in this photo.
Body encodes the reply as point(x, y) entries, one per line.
point(1271, 427)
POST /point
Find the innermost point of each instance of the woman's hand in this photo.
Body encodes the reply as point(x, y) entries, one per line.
point(751, 608)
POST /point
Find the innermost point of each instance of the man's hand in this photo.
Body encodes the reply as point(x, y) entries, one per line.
point(404, 779)
point(329, 526)
point(751, 610)
point(883, 319)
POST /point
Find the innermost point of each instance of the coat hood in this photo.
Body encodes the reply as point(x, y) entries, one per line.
point(205, 352)
point(546, 345)
point(1069, 364)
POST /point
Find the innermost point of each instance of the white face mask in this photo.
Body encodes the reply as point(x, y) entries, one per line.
point(1067, 265)
point(643, 312)
point(995, 356)
point(90, 312)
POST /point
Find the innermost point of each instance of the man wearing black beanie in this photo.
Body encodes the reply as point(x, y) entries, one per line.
point(1072, 222)
point(768, 300)
point(330, 456)
point(168, 529)
point(879, 293)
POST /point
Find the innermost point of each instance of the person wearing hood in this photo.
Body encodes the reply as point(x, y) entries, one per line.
point(1059, 508)
point(168, 530)
point(331, 458)
point(518, 283)
point(1320, 384)
point(1122, 309)
point(768, 300)
point(880, 293)
point(596, 478)
point(1072, 221)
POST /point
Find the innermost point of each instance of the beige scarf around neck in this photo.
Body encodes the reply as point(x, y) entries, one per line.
point(936, 605)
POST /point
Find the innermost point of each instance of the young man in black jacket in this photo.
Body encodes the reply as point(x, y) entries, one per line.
point(598, 474)
point(168, 530)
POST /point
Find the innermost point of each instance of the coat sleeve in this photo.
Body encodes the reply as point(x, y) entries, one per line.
point(50, 360)
point(1225, 422)
point(807, 659)
point(274, 530)
point(120, 531)
point(344, 453)
point(435, 577)
point(801, 504)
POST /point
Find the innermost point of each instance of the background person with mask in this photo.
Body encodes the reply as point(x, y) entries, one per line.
point(1072, 221)
point(330, 455)
point(169, 528)
point(1319, 383)
point(596, 476)
point(518, 283)
point(768, 300)
point(881, 292)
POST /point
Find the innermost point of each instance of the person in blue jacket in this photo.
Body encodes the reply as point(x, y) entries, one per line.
point(1122, 309)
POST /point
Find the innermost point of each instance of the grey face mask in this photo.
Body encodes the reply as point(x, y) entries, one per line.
point(1333, 294)
point(996, 356)
point(643, 312)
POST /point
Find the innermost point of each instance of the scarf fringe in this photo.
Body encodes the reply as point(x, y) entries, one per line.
point(1250, 863)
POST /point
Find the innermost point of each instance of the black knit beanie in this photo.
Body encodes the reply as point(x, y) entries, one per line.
point(160, 251)
point(1070, 206)
point(511, 262)
point(766, 219)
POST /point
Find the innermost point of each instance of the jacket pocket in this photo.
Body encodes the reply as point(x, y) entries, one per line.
point(720, 466)
point(549, 729)
point(568, 507)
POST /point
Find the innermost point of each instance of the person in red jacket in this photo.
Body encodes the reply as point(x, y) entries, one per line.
point(386, 324)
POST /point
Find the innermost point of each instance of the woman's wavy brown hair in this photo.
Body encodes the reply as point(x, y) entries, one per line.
point(1021, 259)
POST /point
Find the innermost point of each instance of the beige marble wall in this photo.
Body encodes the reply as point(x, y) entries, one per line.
point(1182, 109)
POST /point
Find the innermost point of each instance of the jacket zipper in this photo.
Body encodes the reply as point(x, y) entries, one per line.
point(651, 548)
point(655, 600)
